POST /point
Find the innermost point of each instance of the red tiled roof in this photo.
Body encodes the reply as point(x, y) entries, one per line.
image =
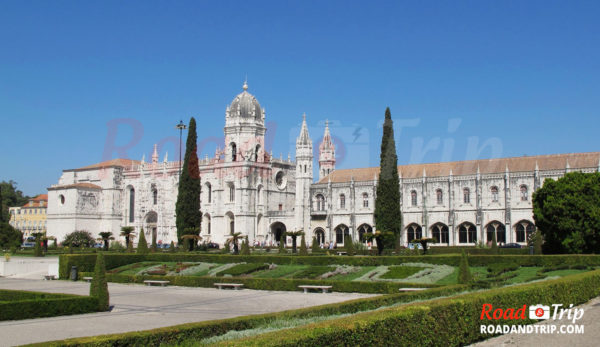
point(110, 163)
point(469, 167)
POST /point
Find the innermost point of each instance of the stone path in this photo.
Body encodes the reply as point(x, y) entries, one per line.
point(138, 307)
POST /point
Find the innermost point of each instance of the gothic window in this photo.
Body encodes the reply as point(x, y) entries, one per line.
point(208, 193)
point(413, 232)
point(341, 232)
point(413, 198)
point(154, 196)
point(365, 197)
point(467, 196)
point(233, 152)
point(320, 236)
point(498, 228)
point(342, 201)
point(131, 205)
point(524, 230)
point(320, 202)
point(524, 194)
point(467, 233)
point(231, 193)
point(494, 194)
point(440, 233)
point(256, 150)
point(259, 195)
point(362, 230)
point(440, 196)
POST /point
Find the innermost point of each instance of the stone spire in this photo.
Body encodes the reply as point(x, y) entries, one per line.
point(155, 155)
point(304, 138)
point(326, 154)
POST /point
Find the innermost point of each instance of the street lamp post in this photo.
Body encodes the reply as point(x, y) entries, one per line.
point(181, 128)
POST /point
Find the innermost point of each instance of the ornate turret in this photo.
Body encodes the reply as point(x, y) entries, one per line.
point(326, 154)
point(155, 155)
point(304, 177)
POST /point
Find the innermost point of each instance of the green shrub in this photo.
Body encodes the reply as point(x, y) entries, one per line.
point(282, 246)
point(399, 272)
point(142, 247)
point(16, 304)
point(313, 272)
point(314, 247)
point(464, 272)
point(303, 249)
point(245, 247)
point(243, 269)
point(99, 286)
point(349, 245)
point(494, 244)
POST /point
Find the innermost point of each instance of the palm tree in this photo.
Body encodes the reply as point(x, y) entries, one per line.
point(294, 235)
point(234, 238)
point(128, 233)
point(191, 237)
point(106, 236)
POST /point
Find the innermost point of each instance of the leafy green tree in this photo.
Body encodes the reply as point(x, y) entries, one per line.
point(37, 249)
point(187, 207)
point(9, 236)
point(245, 246)
point(106, 236)
point(387, 203)
point(10, 196)
point(282, 245)
point(349, 245)
point(80, 238)
point(99, 286)
point(424, 241)
point(464, 273)
point(567, 212)
point(142, 247)
point(314, 247)
point(191, 240)
point(294, 235)
point(303, 249)
point(233, 239)
point(127, 232)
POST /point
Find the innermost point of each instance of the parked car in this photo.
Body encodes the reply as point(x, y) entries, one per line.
point(511, 245)
point(98, 245)
point(28, 245)
point(212, 245)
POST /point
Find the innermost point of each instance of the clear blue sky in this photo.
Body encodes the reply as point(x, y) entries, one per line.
point(520, 77)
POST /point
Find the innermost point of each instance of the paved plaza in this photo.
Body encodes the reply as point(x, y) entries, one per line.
point(138, 307)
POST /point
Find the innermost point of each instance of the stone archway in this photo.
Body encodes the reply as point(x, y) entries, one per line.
point(151, 222)
point(278, 231)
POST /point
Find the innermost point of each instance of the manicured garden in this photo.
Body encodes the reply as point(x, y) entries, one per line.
point(17, 304)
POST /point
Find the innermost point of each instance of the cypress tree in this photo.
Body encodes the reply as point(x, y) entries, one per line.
point(142, 247)
point(172, 247)
point(387, 204)
point(282, 245)
point(187, 207)
point(315, 246)
point(245, 247)
point(303, 249)
point(537, 243)
point(37, 249)
point(154, 246)
point(494, 244)
point(349, 245)
point(99, 287)
point(464, 273)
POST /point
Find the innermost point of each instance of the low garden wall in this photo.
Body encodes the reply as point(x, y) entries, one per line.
point(17, 304)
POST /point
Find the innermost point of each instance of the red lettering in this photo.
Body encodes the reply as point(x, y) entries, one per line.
point(486, 312)
point(520, 314)
point(497, 313)
point(509, 313)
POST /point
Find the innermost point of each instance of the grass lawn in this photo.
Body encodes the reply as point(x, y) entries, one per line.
point(400, 272)
point(566, 272)
point(476, 271)
point(281, 271)
point(352, 276)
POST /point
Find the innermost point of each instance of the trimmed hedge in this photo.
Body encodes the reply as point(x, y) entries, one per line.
point(476, 251)
point(16, 304)
point(197, 331)
point(243, 269)
point(283, 284)
point(442, 322)
point(86, 262)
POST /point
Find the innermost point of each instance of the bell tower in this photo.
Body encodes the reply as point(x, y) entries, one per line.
point(326, 154)
point(304, 178)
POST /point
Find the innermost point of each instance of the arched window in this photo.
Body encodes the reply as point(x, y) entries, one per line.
point(467, 196)
point(524, 230)
point(259, 195)
point(439, 196)
point(365, 200)
point(342, 201)
point(206, 224)
point(320, 202)
point(413, 232)
point(524, 194)
point(131, 205)
point(320, 236)
point(231, 193)
point(413, 198)
point(440, 233)
point(208, 193)
point(494, 194)
point(233, 151)
point(467, 233)
point(498, 228)
point(256, 150)
point(362, 230)
point(341, 231)
point(154, 196)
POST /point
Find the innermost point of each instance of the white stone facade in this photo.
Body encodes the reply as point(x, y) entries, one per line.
point(245, 189)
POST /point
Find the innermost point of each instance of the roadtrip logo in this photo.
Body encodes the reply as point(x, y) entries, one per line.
point(536, 312)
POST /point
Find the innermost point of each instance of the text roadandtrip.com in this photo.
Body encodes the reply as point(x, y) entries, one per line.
point(540, 312)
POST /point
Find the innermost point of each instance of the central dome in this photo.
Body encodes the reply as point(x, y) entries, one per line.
point(245, 105)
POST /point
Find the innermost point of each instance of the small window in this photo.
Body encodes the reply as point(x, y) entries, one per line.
point(231, 193)
point(342, 201)
point(467, 196)
point(413, 198)
point(62, 199)
point(440, 196)
point(280, 207)
point(155, 196)
point(320, 202)
point(365, 200)
point(233, 152)
point(209, 193)
point(524, 194)
point(494, 194)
